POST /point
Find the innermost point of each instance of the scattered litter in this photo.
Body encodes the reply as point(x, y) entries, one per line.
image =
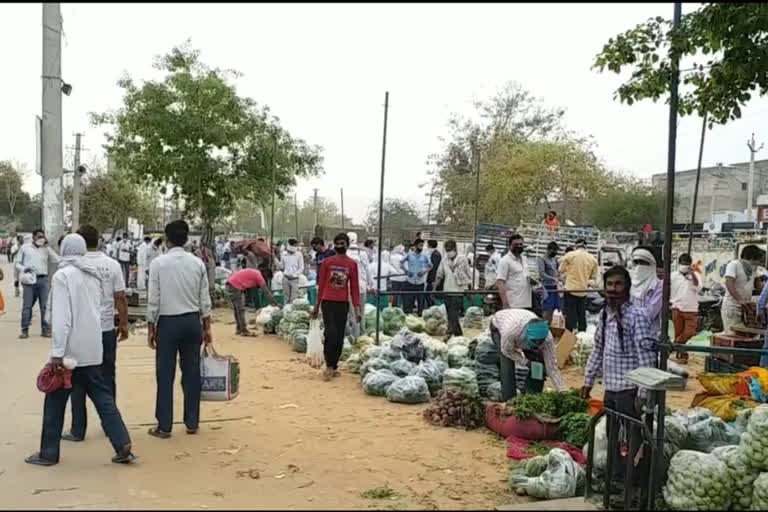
point(288, 406)
point(267, 387)
point(251, 473)
point(304, 486)
point(280, 476)
point(40, 491)
point(293, 468)
point(181, 455)
point(233, 451)
point(216, 427)
point(218, 494)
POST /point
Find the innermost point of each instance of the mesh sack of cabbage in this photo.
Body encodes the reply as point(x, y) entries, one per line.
point(409, 344)
point(561, 478)
point(458, 355)
point(270, 327)
point(461, 379)
point(376, 363)
point(697, 481)
point(377, 382)
point(301, 304)
point(432, 374)
point(760, 493)
point(415, 324)
point(391, 321)
point(265, 315)
point(292, 321)
point(742, 475)
point(755, 439)
point(300, 340)
point(473, 318)
point(436, 320)
point(435, 349)
point(486, 351)
point(401, 367)
point(487, 374)
point(582, 350)
point(408, 390)
point(710, 433)
point(353, 363)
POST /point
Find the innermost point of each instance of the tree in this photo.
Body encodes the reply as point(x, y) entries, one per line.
point(192, 134)
point(13, 199)
point(328, 214)
point(627, 206)
point(31, 216)
point(726, 44)
point(398, 215)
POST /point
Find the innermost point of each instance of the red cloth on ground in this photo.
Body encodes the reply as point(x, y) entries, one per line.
point(518, 449)
point(48, 380)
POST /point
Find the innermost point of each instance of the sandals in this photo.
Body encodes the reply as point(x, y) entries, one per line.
point(192, 431)
point(71, 437)
point(155, 431)
point(124, 457)
point(37, 460)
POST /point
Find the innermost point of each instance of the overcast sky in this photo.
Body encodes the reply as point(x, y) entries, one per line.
point(324, 68)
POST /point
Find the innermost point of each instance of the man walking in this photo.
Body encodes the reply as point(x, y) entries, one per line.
point(124, 257)
point(338, 280)
point(292, 265)
point(178, 300)
point(417, 265)
point(33, 275)
point(453, 275)
point(76, 318)
point(141, 262)
point(579, 268)
point(685, 286)
point(112, 296)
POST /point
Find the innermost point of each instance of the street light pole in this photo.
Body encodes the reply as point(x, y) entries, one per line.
point(76, 186)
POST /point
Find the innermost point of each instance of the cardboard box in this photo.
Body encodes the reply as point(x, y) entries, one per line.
point(564, 347)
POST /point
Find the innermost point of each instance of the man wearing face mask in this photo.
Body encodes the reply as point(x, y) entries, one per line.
point(417, 266)
point(512, 277)
point(647, 288)
point(685, 286)
point(454, 275)
point(292, 265)
point(622, 344)
point(33, 275)
point(549, 275)
point(739, 282)
point(578, 267)
point(337, 282)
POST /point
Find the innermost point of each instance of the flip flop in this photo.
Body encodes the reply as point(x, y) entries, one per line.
point(39, 461)
point(124, 458)
point(70, 437)
point(192, 431)
point(155, 431)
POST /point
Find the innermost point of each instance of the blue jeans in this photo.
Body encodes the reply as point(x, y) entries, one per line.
point(182, 334)
point(77, 399)
point(32, 293)
point(90, 380)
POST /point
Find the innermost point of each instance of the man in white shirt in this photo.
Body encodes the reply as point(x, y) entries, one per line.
point(141, 262)
point(292, 265)
point(178, 300)
point(112, 297)
point(33, 275)
point(76, 319)
point(398, 283)
point(366, 283)
point(739, 284)
point(124, 248)
point(685, 286)
point(522, 342)
point(512, 277)
point(491, 266)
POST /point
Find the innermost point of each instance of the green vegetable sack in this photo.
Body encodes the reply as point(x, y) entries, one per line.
point(697, 481)
point(760, 494)
point(742, 475)
point(755, 440)
point(415, 324)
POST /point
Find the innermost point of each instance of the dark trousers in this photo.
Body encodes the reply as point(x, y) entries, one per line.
point(397, 286)
point(334, 323)
point(77, 398)
point(180, 334)
point(429, 300)
point(622, 433)
point(575, 309)
point(37, 292)
point(125, 266)
point(91, 380)
point(238, 305)
point(411, 301)
point(453, 305)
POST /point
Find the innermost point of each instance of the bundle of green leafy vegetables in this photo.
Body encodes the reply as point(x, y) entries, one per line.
point(574, 428)
point(548, 403)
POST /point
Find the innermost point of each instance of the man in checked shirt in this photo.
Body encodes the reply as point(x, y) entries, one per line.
point(622, 344)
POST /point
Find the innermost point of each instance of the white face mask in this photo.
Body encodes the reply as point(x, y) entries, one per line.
point(451, 254)
point(290, 248)
point(684, 269)
point(40, 242)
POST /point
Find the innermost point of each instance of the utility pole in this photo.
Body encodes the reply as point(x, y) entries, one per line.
point(296, 214)
point(52, 159)
point(381, 213)
point(76, 186)
point(342, 209)
point(314, 211)
point(750, 185)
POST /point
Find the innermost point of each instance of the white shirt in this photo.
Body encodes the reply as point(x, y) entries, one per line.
point(124, 251)
point(111, 282)
point(386, 271)
point(152, 253)
point(396, 260)
point(491, 266)
point(514, 273)
point(743, 284)
point(36, 258)
point(683, 294)
point(141, 255)
point(178, 284)
point(363, 271)
point(293, 264)
point(76, 316)
point(511, 325)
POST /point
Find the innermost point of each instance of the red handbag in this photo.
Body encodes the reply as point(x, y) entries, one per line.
point(48, 380)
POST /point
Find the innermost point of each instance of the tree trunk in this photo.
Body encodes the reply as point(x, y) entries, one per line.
point(207, 241)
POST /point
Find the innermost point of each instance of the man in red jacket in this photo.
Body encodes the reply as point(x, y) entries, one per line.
point(338, 280)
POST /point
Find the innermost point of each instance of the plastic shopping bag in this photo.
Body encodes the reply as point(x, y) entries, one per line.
point(315, 356)
point(219, 376)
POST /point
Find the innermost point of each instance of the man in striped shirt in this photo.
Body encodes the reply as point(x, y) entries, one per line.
point(510, 333)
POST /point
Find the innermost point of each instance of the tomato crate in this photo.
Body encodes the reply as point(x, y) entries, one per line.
point(735, 341)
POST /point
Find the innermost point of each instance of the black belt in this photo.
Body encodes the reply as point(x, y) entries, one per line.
point(42, 276)
point(195, 313)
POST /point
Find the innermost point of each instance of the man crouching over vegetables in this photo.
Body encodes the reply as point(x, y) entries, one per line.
point(524, 339)
point(622, 344)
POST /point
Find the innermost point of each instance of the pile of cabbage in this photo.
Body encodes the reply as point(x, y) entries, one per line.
point(473, 318)
point(553, 476)
point(391, 321)
point(294, 320)
point(754, 440)
point(436, 320)
point(697, 481)
point(741, 473)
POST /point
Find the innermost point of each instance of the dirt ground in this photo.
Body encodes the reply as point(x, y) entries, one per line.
point(288, 441)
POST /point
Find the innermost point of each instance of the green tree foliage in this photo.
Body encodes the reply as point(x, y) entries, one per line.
point(398, 216)
point(14, 201)
point(723, 49)
point(626, 206)
point(192, 133)
point(527, 159)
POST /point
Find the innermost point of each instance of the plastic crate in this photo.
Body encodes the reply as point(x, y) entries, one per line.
point(717, 365)
point(735, 341)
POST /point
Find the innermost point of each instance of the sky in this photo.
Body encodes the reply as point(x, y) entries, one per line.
point(323, 70)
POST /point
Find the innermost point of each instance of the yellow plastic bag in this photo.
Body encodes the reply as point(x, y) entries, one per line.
point(727, 407)
point(761, 374)
point(725, 384)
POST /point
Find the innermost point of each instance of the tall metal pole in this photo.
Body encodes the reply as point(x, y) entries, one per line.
point(342, 209)
point(696, 187)
point(669, 205)
point(52, 159)
point(750, 185)
point(314, 211)
point(381, 213)
point(76, 186)
point(477, 209)
point(429, 207)
point(274, 195)
point(296, 214)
